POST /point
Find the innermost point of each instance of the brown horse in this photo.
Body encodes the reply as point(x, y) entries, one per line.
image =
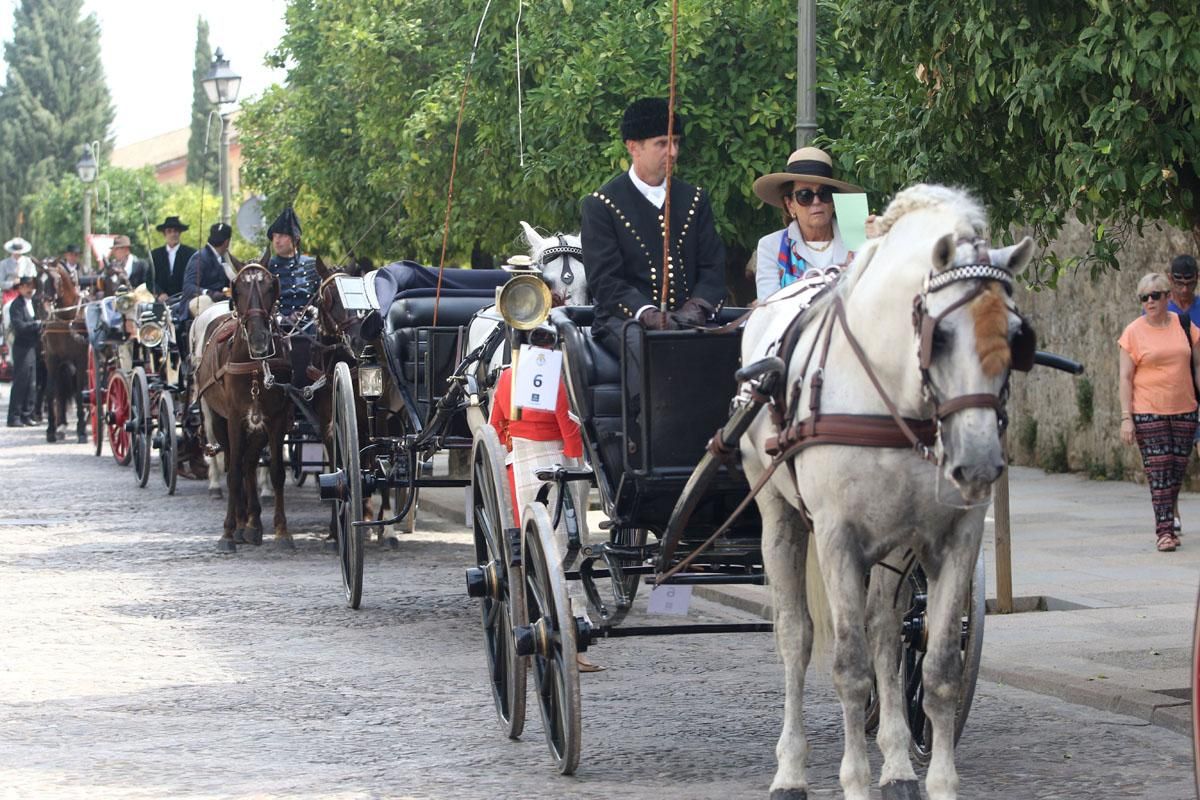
point(64, 349)
point(244, 410)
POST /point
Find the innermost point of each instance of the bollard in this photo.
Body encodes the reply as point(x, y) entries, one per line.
point(1003, 528)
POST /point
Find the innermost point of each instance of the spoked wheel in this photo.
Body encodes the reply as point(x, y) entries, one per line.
point(116, 414)
point(913, 595)
point(295, 456)
point(143, 423)
point(95, 401)
point(498, 579)
point(347, 509)
point(1195, 688)
point(168, 445)
point(550, 639)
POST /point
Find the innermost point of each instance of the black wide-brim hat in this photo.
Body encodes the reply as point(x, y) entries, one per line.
point(171, 222)
point(647, 118)
point(808, 164)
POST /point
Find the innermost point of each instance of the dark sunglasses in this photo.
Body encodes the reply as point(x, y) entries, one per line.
point(1145, 298)
point(805, 197)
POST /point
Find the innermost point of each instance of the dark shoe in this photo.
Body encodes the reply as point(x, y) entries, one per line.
point(16, 423)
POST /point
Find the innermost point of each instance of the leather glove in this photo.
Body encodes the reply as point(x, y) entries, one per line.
point(694, 313)
point(654, 320)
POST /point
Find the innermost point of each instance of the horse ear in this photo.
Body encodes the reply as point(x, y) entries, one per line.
point(1013, 258)
point(322, 270)
point(943, 252)
point(531, 236)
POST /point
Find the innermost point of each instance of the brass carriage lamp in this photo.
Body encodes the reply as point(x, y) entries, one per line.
point(370, 374)
point(222, 84)
point(86, 168)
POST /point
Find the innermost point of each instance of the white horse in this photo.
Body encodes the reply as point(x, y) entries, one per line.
point(196, 335)
point(865, 503)
point(558, 258)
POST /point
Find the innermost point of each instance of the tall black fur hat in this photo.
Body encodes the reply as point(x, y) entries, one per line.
point(286, 223)
point(219, 234)
point(647, 118)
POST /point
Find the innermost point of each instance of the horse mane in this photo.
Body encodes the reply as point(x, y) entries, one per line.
point(932, 196)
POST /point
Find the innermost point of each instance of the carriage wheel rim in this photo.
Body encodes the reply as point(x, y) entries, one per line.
point(142, 424)
point(167, 451)
point(345, 457)
point(116, 402)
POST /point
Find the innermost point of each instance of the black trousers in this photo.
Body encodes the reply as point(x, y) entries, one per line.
point(24, 382)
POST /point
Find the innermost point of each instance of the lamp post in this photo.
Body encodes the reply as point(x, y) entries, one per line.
point(87, 168)
point(221, 84)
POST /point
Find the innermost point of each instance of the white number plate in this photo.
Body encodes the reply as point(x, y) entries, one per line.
point(669, 599)
point(538, 373)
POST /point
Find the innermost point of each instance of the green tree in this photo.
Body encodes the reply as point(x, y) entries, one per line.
point(368, 116)
point(203, 163)
point(1045, 109)
point(55, 99)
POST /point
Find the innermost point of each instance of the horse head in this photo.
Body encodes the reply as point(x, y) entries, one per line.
point(254, 293)
point(335, 322)
point(968, 334)
point(560, 260)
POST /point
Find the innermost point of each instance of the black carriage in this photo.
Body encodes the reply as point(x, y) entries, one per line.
point(404, 400)
point(665, 493)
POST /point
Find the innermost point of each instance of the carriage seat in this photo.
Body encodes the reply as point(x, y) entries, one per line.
point(593, 384)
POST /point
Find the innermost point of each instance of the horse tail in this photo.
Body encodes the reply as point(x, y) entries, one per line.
point(818, 600)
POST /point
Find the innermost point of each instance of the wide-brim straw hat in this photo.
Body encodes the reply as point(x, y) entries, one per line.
point(809, 164)
point(18, 246)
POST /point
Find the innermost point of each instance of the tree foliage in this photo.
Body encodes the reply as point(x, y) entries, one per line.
point(373, 90)
point(55, 100)
point(203, 162)
point(1046, 109)
point(125, 201)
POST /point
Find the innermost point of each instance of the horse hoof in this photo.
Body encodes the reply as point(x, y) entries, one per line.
point(392, 542)
point(239, 536)
point(215, 494)
point(330, 546)
point(226, 545)
point(789, 794)
point(284, 544)
point(901, 790)
point(254, 536)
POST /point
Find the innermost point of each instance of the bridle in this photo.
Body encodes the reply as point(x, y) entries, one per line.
point(566, 252)
point(257, 307)
point(981, 270)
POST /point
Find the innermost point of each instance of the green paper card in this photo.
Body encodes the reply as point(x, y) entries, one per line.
point(851, 210)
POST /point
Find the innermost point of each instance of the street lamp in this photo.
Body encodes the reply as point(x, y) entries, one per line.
point(87, 168)
point(221, 84)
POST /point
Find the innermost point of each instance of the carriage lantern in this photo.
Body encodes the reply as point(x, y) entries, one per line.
point(370, 374)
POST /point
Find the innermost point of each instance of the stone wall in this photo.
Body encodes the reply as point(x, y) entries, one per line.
point(1060, 422)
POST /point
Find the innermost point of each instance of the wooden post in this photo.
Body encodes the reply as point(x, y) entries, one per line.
point(1003, 526)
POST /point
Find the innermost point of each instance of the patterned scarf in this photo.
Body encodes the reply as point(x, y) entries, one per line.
point(791, 266)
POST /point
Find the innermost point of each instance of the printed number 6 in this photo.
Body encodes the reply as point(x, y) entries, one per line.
point(537, 381)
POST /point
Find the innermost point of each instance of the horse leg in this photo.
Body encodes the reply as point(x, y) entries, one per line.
point(785, 548)
point(897, 779)
point(253, 506)
point(52, 393)
point(265, 482)
point(233, 480)
point(81, 415)
point(949, 574)
point(283, 539)
point(844, 581)
point(213, 461)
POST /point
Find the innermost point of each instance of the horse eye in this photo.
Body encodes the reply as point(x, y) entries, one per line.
point(941, 339)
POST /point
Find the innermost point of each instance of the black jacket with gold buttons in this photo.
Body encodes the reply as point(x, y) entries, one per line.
point(623, 251)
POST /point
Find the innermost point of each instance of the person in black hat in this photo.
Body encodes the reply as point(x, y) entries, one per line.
point(171, 260)
point(298, 283)
point(208, 270)
point(622, 237)
point(26, 331)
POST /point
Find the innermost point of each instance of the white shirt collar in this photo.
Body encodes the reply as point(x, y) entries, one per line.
point(655, 194)
point(171, 249)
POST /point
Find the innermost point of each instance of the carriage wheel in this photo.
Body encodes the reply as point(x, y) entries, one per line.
point(349, 509)
point(912, 658)
point(553, 630)
point(143, 423)
point(1195, 688)
point(295, 455)
point(116, 414)
point(168, 445)
point(95, 404)
point(500, 580)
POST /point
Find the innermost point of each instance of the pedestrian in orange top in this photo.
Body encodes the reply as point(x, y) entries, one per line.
point(1158, 398)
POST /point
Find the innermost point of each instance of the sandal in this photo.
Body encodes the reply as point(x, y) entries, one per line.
point(1167, 542)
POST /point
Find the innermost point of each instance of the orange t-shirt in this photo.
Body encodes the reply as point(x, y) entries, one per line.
point(1162, 379)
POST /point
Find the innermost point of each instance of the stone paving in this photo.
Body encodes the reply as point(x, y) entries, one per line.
point(136, 662)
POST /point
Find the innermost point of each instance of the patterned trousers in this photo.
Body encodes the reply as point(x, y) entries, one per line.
point(1166, 442)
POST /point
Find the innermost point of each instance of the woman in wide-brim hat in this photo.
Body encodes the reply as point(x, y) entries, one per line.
point(811, 240)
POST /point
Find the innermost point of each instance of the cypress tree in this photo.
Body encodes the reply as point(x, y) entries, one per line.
point(55, 99)
point(197, 169)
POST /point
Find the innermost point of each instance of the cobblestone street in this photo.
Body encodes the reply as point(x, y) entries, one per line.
point(137, 662)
